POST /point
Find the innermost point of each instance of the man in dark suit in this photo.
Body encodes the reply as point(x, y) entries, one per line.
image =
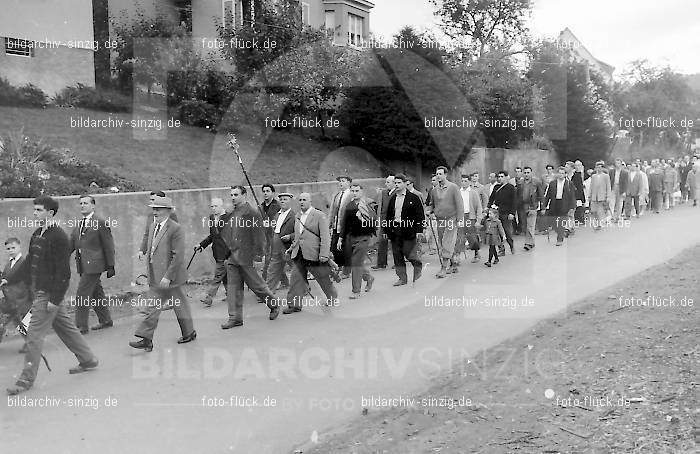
point(282, 237)
point(245, 237)
point(17, 301)
point(310, 252)
point(92, 241)
point(47, 271)
point(619, 180)
point(577, 180)
point(504, 197)
point(560, 201)
point(165, 255)
point(383, 241)
point(403, 224)
point(216, 221)
point(340, 200)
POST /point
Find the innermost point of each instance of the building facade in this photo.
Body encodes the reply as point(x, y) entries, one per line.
point(54, 44)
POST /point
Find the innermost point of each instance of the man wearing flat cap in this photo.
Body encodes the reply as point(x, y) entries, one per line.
point(282, 237)
point(165, 258)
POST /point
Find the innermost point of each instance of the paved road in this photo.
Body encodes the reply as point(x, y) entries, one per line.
point(309, 372)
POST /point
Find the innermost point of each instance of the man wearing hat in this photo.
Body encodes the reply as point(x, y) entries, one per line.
point(282, 237)
point(340, 200)
point(149, 223)
point(165, 257)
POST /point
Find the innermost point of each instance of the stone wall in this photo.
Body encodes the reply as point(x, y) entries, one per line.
point(127, 214)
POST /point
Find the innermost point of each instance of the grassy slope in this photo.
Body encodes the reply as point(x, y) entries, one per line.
point(183, 159)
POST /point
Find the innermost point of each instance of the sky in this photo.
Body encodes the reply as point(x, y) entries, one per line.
point(615, 31)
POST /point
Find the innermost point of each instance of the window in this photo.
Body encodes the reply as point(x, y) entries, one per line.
point(329, 24)
point(305, 16)
point(20, 47)
point(232, 13)
point(355, 25)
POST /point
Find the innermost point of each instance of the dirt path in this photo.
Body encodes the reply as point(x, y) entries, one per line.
point(617, 374)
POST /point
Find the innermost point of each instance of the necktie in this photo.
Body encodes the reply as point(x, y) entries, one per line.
point(82, 226)
point(155, 233)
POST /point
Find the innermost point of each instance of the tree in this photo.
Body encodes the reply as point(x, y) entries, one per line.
point(488, 24)
point(576, 111)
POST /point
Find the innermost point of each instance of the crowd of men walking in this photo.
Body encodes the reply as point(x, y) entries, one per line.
point(454, 218)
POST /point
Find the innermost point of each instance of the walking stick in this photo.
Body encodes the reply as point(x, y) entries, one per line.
point(193, 254)
point(233, 144)
point(435, 237)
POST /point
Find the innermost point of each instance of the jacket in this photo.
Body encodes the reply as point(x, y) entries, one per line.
point(568, 199)
point(48, 261)
point(219, 248)
point(94, 248)
point(313, 241)
point(166, 254)
point(244, 235)
point(16, 291)
point(503, 196)
point(529, 195)
point(412, 217)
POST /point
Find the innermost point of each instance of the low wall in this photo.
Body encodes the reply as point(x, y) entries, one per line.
point(487, 160)
point(127, 214)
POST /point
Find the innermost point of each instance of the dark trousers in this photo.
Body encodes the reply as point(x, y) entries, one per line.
point(657, 200)
point(341, 257)
point(218, 279)
point(360, 271)
point(631, 201)
point(41, 322)
point(276, 273)
point(237, 275)
point(508, 228)
point(382, 251)
point(404, 249)
point(157, 299)
point(268, 260)
point(580, 214)
point(493, 255)
point(299, 283)
point(90, 294)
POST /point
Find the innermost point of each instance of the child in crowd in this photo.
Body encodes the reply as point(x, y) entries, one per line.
point(493, 234)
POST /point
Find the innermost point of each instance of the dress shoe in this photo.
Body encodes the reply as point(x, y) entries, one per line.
point(377, 267)
point(274, 312)
point(144, 344)
point(83, 367)
point(206, 302)
point(104, 325)
point(19, 387)
point(84, 331)
point(496, 262)
point(231, 324)
point(291, 310)
point(355, 296)
point(441, 274)
point(189, 338)
point(369, 284)
point(417, 273)
point(399, 283)
point(488, 264)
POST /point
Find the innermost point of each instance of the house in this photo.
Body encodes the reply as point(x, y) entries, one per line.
point(47, 43)
point(54, 44)
point(569, 41)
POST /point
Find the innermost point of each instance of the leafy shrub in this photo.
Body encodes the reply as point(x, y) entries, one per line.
point(29, 167)
point(27, 95)
point(92, 98)
point(199, 113)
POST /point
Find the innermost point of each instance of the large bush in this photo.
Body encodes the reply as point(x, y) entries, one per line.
point(27, 95)
point(80, 95)
point(29, 168)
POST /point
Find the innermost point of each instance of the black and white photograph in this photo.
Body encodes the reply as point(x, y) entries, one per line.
point(349, 226)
